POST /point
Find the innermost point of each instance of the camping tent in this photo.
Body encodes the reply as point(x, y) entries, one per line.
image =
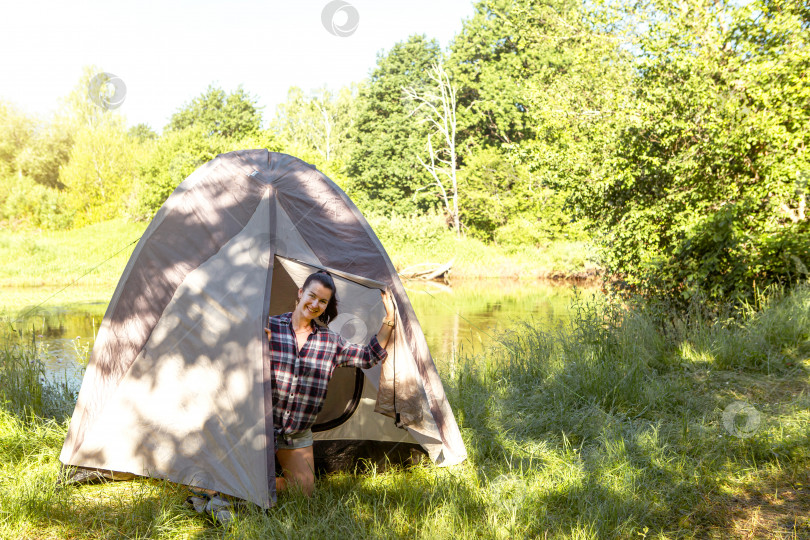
point(179, 385)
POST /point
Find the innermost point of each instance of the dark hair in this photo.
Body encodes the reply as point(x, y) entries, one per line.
point(325, 278)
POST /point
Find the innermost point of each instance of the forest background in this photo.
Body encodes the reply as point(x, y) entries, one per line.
point(671, 134)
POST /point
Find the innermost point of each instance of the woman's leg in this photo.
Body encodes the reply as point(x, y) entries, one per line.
point(298, 467)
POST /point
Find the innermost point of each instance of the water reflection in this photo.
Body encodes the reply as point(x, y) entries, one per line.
point(64, 336)
point(457, 321)
point(463, 320)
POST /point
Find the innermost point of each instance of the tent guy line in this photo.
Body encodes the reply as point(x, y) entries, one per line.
point(27, 313)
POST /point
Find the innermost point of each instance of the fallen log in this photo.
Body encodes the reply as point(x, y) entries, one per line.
point(426, 271)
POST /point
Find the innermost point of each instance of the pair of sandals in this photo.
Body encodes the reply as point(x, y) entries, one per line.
point(214, 505)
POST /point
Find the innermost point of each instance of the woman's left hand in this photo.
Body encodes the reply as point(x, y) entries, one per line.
point(388, 303)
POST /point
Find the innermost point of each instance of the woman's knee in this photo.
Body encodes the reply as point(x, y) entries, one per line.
point(307, 485)
point(303, 480)
point(298, 469)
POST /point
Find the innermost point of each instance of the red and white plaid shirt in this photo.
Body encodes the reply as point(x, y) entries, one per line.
point(300, 377)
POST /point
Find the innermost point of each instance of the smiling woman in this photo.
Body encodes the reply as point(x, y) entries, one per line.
point(305, 354)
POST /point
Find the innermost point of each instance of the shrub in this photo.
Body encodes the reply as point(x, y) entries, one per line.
point(28, 203)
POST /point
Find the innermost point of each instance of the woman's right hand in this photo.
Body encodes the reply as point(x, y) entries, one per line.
point(269, 334)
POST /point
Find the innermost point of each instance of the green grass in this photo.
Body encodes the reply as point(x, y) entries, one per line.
point(64, 267)
point(414, 240)
point(613, 428)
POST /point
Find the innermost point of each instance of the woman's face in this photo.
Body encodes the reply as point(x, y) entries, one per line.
point(313, 300)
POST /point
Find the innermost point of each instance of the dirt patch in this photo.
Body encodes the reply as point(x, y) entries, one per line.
point(776, 509)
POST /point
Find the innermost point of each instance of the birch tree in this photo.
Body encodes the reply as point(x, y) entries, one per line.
point(436, 106)
point(318, 122)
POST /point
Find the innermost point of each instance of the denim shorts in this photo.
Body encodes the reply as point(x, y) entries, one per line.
point(302, 439)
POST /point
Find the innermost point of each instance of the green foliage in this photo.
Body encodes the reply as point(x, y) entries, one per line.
point(25, 203)
point(15, 132)
point(536, 77)
point(318, 123)
point(722, 252)
point(488, 64)
point(384, 172)
point(142, 133)
point(704, 189)
point(506, 50)
point(503, 201)
point(174, 156)
point(50, 147)
point(75, 169)
point(217, 114)
point(100, 172)
point(47, 151)
point(315, 128)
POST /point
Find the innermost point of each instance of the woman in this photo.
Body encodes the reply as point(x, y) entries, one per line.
point(304, 356)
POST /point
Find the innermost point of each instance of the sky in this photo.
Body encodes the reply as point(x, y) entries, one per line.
point(168, 52)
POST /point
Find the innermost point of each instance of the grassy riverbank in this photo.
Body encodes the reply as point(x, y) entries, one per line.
point(51, 260)
point(622, 427)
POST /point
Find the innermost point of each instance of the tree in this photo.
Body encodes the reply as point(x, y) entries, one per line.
point(495, 57)
point(436, 106)
point(175, 155)
point(142, 133)
point(703, 172)
point(541, 83)
point(384, 173)
point(50, 146)
point(216, 113)
point(100, 172)
point(46, 152)
point(16, 130)
point(502, 201)
point(22, 199)
point(577, 101)
point(318, 123)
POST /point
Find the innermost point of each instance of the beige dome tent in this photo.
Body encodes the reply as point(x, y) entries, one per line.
point(178, 385)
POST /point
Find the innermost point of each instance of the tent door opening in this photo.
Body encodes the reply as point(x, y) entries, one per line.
point(346, 386)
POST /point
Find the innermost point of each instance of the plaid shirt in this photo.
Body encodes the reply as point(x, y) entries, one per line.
point(300, 377)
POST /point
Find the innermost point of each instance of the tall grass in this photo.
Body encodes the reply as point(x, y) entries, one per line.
point(613, 428)
point(617, 426)
point(24, 389)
